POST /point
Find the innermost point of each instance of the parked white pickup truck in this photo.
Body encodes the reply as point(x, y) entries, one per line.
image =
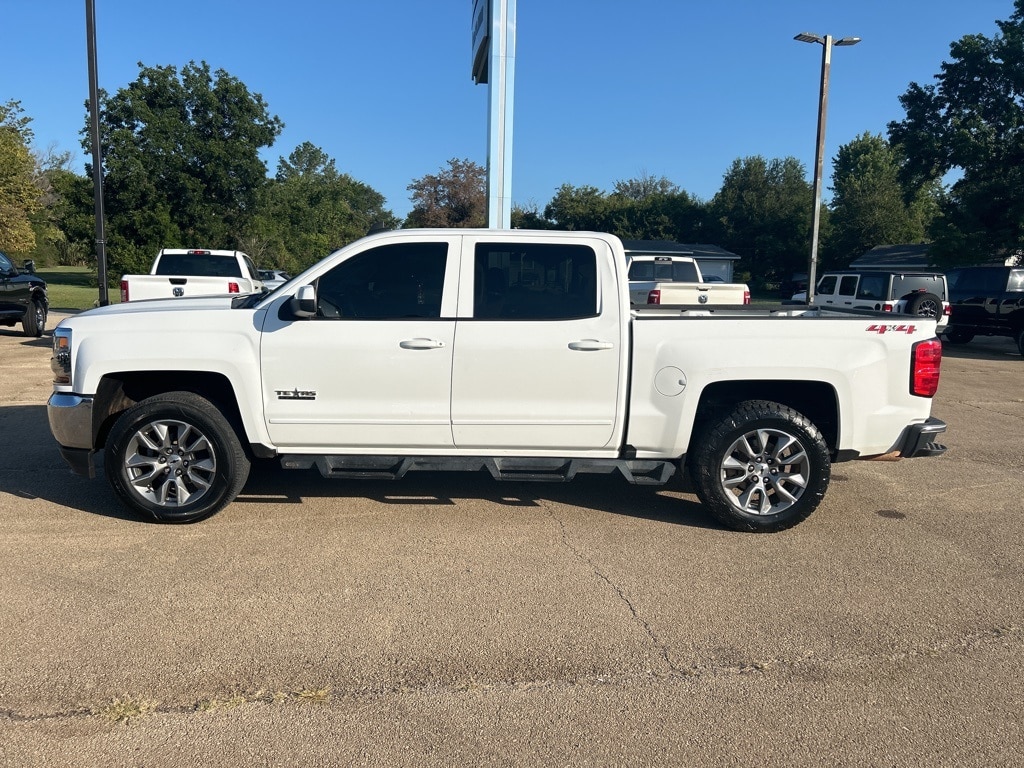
point(511, 351)
point(179, 272)
point(677, 281)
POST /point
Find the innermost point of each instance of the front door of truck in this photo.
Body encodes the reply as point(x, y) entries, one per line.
point(539, 348)
point(372, 370)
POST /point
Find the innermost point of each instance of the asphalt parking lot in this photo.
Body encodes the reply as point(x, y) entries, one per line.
point(451, 620)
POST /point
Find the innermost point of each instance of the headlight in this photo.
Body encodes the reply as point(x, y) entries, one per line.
point(60, 363)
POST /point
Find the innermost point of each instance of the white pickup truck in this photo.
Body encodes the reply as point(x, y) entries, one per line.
point(678, 281)
point(180, 272)
point(511, 351)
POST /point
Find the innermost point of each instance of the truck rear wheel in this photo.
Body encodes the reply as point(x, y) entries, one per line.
point(762, 468)
point(175, 457)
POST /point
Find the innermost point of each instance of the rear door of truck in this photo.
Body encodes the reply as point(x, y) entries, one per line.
point(540, 346)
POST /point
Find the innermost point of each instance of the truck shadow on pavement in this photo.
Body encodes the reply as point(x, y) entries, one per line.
point(31, 468)
point(45, 341)
point(610, 494)
point(985, 348)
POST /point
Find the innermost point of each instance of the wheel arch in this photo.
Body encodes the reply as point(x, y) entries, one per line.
point(817, 400)
point(119, 391)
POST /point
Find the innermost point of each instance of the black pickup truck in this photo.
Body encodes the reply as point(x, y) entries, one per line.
point(986, 301)
point(22, 298)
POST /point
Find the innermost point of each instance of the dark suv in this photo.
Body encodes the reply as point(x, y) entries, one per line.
point(22, 298)
point(987, 301)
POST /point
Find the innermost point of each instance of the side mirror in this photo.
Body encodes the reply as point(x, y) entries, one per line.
point(303, 303)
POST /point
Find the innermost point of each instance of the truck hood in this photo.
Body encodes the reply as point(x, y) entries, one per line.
point(164, 305)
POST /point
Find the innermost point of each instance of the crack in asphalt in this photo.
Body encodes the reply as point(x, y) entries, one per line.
point(660, 647)
point(127, 711)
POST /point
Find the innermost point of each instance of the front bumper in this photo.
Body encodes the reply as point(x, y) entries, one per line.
point(70, 419)
point(919, 439)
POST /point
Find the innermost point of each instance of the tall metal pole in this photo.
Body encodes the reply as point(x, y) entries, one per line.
point(826, 42)
point(97, 163)
point(819, 161)
point(501, 85)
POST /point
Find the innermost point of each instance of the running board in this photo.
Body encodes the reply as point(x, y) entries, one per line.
point(523, 469)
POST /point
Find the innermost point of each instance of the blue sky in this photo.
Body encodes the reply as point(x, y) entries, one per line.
point(604, 89)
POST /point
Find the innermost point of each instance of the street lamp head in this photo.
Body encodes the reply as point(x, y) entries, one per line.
point(847, 41)
point(810, 37)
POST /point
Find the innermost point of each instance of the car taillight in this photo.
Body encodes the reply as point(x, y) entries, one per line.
point(746, 297)
point(925, 362)
point(233, 288)
point(887, 307)
point(654, 297)
point(124, 291)
point(947, 310)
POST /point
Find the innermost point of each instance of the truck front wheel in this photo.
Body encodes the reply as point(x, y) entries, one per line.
point(762, 468)
point(175, 457)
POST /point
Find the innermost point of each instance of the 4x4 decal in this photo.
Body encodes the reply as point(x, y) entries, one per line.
point(877, 328)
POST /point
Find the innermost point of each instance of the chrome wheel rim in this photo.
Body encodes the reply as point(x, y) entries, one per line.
point(765, 471)
point(928, 309)
point(170, 463)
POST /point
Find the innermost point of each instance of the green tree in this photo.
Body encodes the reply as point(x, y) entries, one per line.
point(181, 161)
point(763, 213)
point(529, 216)
point(20, 197)
point(583, 208)
point(310, 209)
point(653, 208)
point(870, 206)
point(455, 196)
point(971, 121)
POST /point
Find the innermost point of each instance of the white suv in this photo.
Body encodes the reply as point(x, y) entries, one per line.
point(909, 293)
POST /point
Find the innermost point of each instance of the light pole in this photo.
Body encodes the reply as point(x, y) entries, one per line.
point(826, 42)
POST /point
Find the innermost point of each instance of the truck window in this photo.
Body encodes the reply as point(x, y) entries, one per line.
point(848, 285)
point(534, 281)
point(1016, 281)
point(981, 280)
point(198, 264)
point(386, 283)
point(663, 270)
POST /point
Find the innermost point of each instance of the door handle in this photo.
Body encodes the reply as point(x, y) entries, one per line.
point(590, 345)
point(421, 344)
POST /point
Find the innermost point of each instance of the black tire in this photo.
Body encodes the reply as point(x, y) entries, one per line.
point(1020, 341)
point(182, 443)
point(762, 468)
point(34, 321)
point(925, 305)
point(956, 336)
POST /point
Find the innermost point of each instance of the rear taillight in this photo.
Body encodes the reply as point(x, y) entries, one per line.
point(124, 291)
point(233, 288)
point(947, 310)
point(746, 297)
point(887, 307)
point(925, 362)
point(654, 297)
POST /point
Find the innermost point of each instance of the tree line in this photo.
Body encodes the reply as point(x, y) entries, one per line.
point(181, 168)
